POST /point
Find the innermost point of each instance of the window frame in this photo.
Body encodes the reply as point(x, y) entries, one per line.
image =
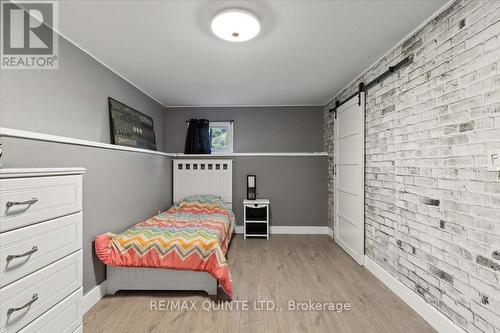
point(228, 125)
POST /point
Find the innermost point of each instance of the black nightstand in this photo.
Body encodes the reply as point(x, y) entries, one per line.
point(256, 218)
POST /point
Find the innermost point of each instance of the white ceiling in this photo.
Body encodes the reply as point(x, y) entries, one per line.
point(307, 51)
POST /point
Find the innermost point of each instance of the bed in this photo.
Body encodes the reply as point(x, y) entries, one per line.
point(183, 248)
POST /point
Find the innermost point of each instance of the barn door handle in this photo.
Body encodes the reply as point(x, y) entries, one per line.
point(19, 203)
point(34, 298)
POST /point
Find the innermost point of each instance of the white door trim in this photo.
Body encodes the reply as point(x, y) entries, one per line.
point(358, 257)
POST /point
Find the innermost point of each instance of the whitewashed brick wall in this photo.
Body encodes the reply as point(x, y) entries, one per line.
point(432, 207)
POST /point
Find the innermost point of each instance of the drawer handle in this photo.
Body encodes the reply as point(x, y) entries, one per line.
point(25, 254)
point(33, 300)
point(19, 203)
point(257, 206)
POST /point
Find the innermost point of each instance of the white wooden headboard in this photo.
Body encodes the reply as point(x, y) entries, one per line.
point(199, 177)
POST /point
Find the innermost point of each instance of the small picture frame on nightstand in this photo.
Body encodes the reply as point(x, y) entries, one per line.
point(256, 218)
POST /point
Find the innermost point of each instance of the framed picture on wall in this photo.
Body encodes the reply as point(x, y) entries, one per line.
point(130, 127)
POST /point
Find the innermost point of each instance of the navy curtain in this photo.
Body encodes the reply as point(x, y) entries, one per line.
point(198, 137)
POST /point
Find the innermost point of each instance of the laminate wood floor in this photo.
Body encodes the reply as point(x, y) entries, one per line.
point(283, 268)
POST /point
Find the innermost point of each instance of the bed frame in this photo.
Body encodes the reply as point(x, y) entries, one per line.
point(190, 177)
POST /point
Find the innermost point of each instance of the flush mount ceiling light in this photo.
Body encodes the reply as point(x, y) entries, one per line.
point(235, 25)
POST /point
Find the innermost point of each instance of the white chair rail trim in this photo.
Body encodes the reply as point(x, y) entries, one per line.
point(21, 134)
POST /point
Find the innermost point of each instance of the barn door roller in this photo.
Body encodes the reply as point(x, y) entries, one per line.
point(364, 87)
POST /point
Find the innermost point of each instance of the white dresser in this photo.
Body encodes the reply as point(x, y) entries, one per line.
point(41, 250)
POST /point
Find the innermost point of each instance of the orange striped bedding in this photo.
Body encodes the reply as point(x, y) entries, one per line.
point(192, 235)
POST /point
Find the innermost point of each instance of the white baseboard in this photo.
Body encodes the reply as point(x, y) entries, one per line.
point(430, 314)
point(330, 232)
point(299, 230)
point(93, 296)
point(293, 230)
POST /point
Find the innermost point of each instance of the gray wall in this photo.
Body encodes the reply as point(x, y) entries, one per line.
point(71, 101)
point(120, 188)
point(432, 207)
point(296, 186)
point(256, 129)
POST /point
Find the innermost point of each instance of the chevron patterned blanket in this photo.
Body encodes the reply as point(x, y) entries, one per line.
point(192, 235)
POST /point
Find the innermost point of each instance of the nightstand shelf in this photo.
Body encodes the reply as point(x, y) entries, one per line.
point(256, 218)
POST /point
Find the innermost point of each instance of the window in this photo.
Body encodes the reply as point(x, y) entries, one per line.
point(221, 136)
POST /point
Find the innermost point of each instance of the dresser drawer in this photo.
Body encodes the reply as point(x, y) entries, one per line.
point(37, 246)
point(24, 201)
point(65, 317)
point(42, 289)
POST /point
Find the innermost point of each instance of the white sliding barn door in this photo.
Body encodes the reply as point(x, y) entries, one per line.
point(350, 177)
